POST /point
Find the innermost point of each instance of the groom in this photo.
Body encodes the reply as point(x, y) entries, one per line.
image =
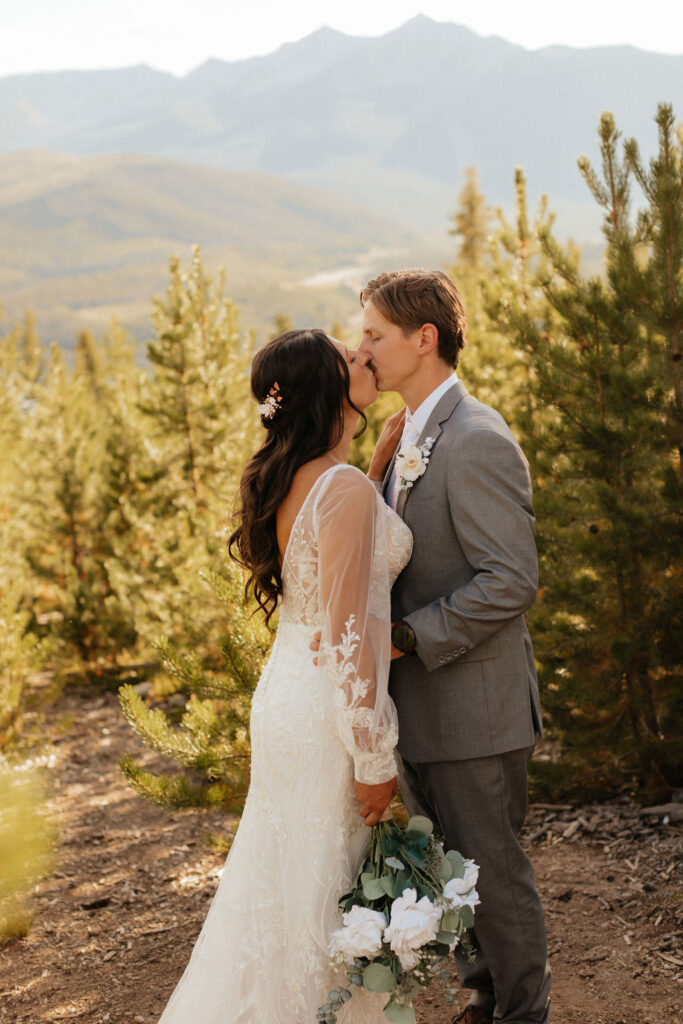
point(463, 679)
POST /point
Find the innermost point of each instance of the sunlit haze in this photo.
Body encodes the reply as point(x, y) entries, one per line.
point(40, 35)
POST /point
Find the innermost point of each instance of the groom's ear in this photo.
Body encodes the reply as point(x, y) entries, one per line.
point(429, 338)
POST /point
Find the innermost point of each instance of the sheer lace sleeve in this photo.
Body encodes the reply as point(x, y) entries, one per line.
point(353, 577)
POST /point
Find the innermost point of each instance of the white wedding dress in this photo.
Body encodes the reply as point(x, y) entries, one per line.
point(262, 956)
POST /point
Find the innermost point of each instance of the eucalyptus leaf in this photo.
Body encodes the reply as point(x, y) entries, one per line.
point(413, 837)
point(388, 885)
point(400, 887)
point(378, 978)
point(457, 863)
point(419, 823)
point(399, 1013)
point(394, 862)
point(373, 889)
point(444, 936)
point(467, 917)
point(390, 845)
point(450, 921)
point(445, 869)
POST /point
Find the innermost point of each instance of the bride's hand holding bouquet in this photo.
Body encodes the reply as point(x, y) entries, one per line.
point(412, 903)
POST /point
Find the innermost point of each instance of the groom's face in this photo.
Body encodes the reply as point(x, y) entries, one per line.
point(393, 355)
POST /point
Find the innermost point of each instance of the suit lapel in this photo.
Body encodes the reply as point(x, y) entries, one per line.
point(433, 427)
point(387, 475)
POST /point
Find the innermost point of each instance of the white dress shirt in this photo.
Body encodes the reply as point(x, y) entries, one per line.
point(415, 423)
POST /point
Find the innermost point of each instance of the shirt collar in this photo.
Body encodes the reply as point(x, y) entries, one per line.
point(418, 419)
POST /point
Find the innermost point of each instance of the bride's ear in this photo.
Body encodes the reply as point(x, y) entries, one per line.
point(429, 339)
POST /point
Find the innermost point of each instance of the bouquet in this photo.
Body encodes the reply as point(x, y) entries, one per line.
point(410, 906)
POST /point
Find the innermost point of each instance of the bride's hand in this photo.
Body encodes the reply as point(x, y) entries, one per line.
point(374, 800)
point(386, 445)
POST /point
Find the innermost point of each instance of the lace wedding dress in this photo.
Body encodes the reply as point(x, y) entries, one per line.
point(262, 955)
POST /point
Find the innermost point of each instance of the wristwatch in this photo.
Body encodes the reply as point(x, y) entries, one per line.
point(403, 637)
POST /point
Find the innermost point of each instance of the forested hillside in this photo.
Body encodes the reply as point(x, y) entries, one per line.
point(84, 240)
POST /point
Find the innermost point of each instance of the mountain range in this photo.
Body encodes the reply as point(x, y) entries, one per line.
point(391, 121)
point(303, 171)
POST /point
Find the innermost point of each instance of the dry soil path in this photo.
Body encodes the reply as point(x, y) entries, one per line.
point(115, 923)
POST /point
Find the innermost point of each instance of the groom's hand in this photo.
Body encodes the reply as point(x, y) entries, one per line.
point(374, 800)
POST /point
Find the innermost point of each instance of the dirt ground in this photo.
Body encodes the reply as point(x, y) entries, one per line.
point(115, 923)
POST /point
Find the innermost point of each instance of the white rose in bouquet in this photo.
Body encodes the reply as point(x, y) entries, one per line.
point(361, 935)
point(460, 892)
point(413, 924)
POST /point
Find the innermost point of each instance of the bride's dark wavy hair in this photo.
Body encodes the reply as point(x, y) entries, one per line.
point(313, 381)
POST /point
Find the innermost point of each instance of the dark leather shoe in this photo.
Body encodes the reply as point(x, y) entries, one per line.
point(473, 1015)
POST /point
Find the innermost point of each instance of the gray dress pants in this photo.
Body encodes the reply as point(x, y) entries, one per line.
point(479, 805)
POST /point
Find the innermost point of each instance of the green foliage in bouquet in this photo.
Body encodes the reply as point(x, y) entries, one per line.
point(412, 902)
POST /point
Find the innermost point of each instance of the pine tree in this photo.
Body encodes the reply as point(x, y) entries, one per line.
point(19, 650)
point(281, 323)
point(470, 226)
point(26, 845)
point(201, 426)
point(197, 398)
point(67, 548)
point(211, 741)
point(20, 656)
point(604, 487)
point(495, 271)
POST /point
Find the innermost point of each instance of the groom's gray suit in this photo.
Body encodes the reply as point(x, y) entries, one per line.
point(468, 701)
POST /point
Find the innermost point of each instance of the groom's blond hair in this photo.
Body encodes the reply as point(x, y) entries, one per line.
point(411, 298)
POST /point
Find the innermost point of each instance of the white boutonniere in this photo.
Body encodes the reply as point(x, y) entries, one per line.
point(411, 462)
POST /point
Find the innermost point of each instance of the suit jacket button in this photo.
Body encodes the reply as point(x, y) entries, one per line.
point(462, 650)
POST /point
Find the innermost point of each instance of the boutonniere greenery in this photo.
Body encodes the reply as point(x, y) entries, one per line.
point(412, 461)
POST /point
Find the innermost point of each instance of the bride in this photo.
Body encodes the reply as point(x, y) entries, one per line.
point(315, 534)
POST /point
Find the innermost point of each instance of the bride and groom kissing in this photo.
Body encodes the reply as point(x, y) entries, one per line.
point(411, 584)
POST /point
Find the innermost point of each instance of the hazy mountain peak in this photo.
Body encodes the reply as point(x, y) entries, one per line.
point(374, 117)
point(321, 40)
point(420, 19)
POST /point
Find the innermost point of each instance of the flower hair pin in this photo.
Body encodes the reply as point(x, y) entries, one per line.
point(271, 402)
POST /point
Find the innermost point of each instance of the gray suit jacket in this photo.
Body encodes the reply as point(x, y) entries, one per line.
point(471, 690)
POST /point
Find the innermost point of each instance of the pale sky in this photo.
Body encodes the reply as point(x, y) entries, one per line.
point(178, 35)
